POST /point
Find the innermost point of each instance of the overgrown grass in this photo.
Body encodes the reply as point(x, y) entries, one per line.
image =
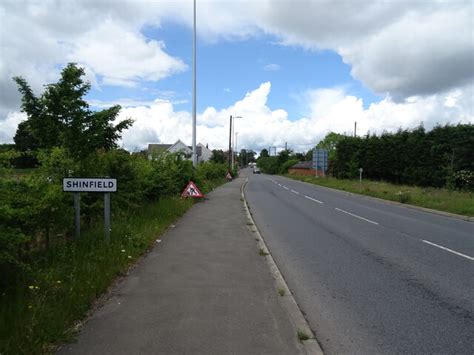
point(67, 279)
point(457, 202)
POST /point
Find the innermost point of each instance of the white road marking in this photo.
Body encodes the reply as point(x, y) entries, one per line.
point(286, 188)
point(295, 192)
point(279, 185)
point(447, 249)
point(356, 216)
point(313, 199)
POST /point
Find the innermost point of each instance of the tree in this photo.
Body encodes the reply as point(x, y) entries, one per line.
point(264, 153)
point(218, 156)
point(246, 156)
point(329, 143)
point(62, 118)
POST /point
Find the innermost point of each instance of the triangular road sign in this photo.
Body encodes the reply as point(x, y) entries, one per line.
point(228, 176)
point(191, 191)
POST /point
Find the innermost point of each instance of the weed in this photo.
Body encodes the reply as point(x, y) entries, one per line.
point(404, 196)
point(281, 292)
point(262, 252)
point(302, 336)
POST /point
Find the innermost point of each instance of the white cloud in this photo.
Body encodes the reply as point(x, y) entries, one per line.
point(122, 57)
point(419, 54)
point(8, 127)
point(38, 38)
point(261, 126)
point(271, 67)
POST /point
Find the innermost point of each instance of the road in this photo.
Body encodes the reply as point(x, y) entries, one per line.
point(371, 277)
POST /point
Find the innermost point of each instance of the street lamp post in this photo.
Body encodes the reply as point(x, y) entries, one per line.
point(232, 144)
point(194, 87)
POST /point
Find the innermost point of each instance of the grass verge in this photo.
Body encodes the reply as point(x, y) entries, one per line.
point(457, 202)
point(67, 279)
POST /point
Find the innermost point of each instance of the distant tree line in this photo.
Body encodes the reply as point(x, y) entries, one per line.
point(441, 157)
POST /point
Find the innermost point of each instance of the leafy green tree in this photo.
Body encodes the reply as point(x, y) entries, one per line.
point(246, 156)
point(218, 156)
point(330, 142)
point(264, 153)
point(61, 117)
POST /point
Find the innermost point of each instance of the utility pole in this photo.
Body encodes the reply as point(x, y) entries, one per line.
point(286, 145)
point(194, 88)
point(355, 129)
point(230, 140)
point(235, 147)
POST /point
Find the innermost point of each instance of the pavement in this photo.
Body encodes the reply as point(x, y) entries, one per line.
point(203, 290)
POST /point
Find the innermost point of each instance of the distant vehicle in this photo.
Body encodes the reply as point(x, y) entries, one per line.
point(253, 164)
point(256, 170)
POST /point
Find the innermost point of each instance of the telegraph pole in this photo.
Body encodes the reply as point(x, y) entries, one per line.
point(235, 148)
point(355, 129)
point(194, 88)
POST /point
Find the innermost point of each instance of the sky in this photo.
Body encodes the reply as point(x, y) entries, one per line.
point(292, 70)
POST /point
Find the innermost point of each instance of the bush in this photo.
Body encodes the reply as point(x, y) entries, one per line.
point(286, 165)
point(464, 180)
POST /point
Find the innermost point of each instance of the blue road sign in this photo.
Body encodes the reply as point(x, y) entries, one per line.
point(320, 159)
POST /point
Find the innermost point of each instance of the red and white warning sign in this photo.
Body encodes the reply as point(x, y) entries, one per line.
point(228, 176)
point(191, 191)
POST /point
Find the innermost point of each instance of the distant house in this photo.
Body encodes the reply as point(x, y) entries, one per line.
point(304, 168)
point(203, 153)
point(206, 153)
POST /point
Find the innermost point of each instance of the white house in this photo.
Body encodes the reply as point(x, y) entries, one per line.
point(203, 153)
point(206, 153)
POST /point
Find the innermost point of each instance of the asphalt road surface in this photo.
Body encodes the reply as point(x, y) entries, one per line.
point(371, 277)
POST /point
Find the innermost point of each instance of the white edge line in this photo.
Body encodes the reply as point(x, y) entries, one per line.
point(313, 199)
point(295, 192)
point(356, 216)
point(447, 249)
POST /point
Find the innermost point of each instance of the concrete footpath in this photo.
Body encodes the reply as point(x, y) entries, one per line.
point(203, 290)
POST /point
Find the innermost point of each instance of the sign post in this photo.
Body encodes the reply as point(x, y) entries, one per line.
point(360, 179)
point(78, 185)
point(77, 215)
point(107, 216)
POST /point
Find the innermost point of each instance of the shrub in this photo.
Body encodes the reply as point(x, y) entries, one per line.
point(286, 165)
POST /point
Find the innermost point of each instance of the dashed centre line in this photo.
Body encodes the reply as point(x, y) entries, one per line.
point(295, 192)
point(447, 249)
point(313, 199)
point(286, 188)
point(356, 216)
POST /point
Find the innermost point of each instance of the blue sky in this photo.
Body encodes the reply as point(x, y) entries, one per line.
point(295, 70)
point(229, 69)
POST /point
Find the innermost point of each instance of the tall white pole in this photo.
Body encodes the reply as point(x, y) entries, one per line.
point(233, 141)
point(194, 88)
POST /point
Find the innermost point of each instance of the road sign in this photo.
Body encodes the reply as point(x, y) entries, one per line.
point(78, 185)
point(228, 176)
point(89, 185)
point(191, 191)
point(320, 159)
